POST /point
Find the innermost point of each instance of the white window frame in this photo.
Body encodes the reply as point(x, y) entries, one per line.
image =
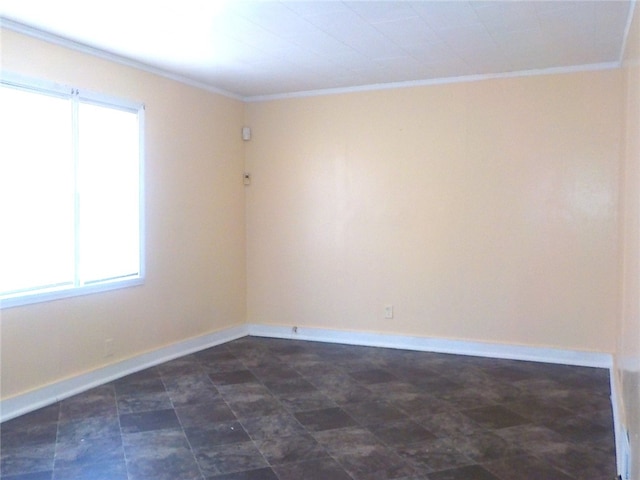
point(80, 95)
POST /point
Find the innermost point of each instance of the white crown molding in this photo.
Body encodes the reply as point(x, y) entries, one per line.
point(64, 42)
point(15, 406)
point(96, 52)
point(437, 81)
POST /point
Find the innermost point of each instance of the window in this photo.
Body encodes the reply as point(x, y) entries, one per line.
point(70, 192)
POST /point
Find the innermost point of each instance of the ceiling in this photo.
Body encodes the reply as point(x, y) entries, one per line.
point(258, 49)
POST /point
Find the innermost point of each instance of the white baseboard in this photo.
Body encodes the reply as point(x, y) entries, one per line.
point(438, 345)
point(624, 452)
point(30, 401)
point(457, 347)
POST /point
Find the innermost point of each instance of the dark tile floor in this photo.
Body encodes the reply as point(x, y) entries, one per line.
point(267, 409)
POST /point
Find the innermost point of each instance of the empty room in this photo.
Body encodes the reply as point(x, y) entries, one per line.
point(310, 240)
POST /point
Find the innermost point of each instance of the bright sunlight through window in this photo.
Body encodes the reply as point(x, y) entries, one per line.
point(70, 193)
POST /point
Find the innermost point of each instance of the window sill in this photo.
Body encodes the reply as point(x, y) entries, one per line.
point(69, 292)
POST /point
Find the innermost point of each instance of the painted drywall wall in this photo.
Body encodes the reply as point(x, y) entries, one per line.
point(195, 232)
point(628, 354)
point(482, 211)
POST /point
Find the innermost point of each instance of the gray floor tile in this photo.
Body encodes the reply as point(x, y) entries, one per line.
point(279, 450)
point(319, 469)
point(160, 455)
point(388, 390)
point(256, 408)
point(97, 402)
point(138, 384)
point(302, 402)
point(88, 428)
point(495, 416)
point(466, 397)
point(275, 373)
point(148, 421)
point(537, 409)
point(289, 386)
point(448, 424)
point(584, 430)
point(351, 440)
point(228, 458)
point(244, 392)
point(533, 439)
point(192, 389)
point(205, 413)
point(528, 468)
point(37, 427)
point(379, 463)
point(347, 393)
point(277, 409)
point(485, 446)
point(581, 462)
point(433, 455)
point(30, 476)
point(372, 376)
point(417, 404)
point(206, 435)
point(401, 432)
point(82, 452)
point(184, 366)
point(27, 459)
point(114, 470)
point(326, 419)
point(22, 434)
point(232, 378)
point(258, 474)
point(374, 412)
point(143, 402)
point(269, 426)
point(472, 472)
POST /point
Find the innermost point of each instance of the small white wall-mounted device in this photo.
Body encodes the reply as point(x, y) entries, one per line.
point(246, 133)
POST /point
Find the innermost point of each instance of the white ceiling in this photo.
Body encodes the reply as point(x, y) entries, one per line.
point(253, 49)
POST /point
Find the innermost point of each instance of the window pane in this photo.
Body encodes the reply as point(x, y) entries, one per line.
point(109, 193)
point(36, 191)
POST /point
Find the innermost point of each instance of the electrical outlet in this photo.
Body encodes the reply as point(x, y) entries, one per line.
point(388, 311)
point(108, 347)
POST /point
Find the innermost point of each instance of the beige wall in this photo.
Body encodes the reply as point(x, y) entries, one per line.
point(195, 247)
point(628, 357)
point(483, 211)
